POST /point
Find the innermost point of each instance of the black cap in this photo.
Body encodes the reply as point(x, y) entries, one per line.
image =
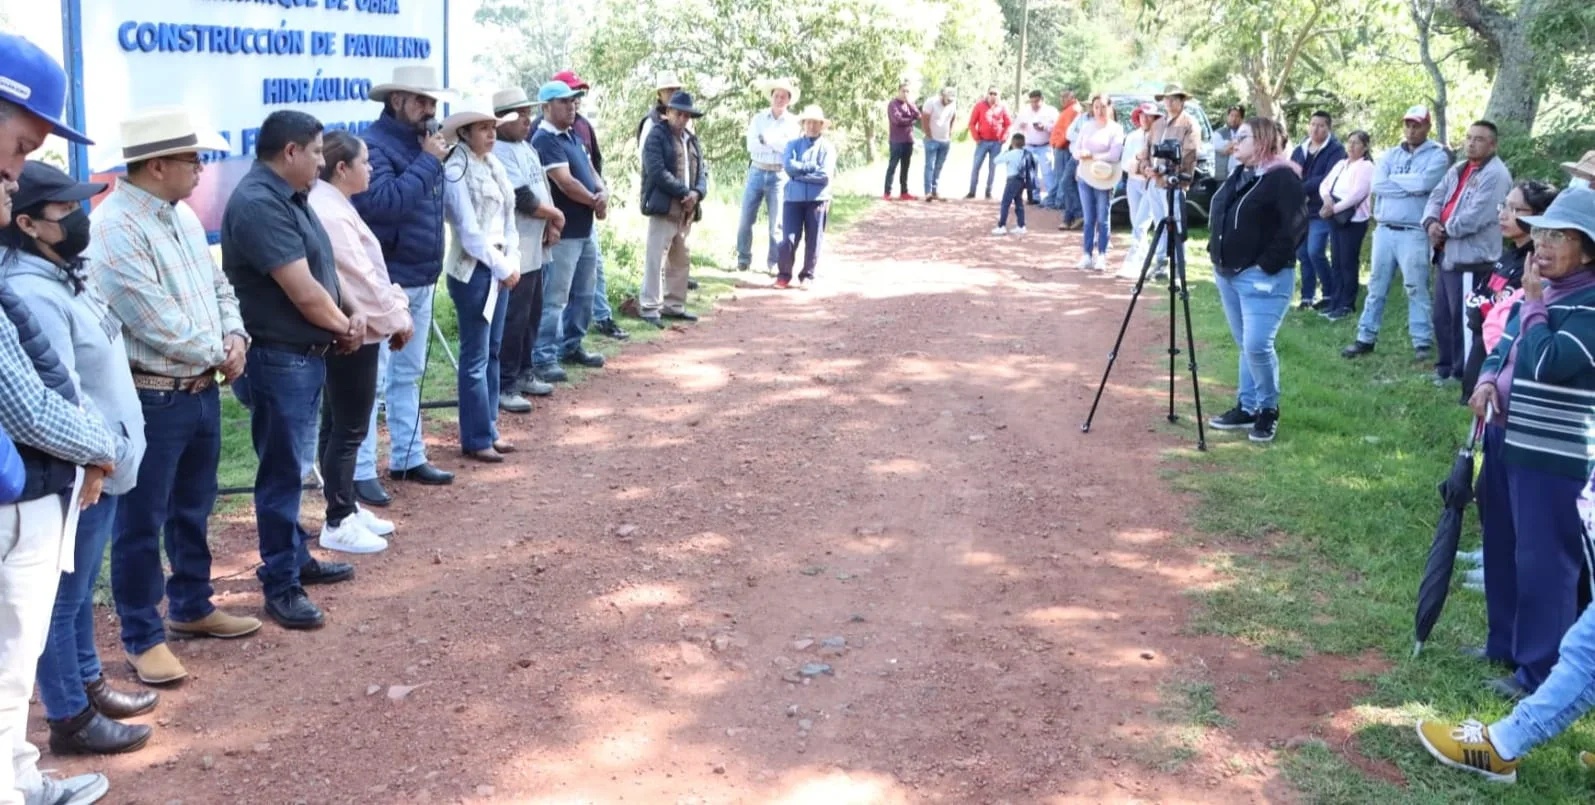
point(42, 183)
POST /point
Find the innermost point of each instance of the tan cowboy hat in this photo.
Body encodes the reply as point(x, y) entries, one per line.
point(468, 111)
point(165, 131)
point(1102, 174)
point(770, 85)
point(420, 79)
point(1173, 90)
point(667, 80)
point(512, 100)
point(1584, 168)
point(813, 112)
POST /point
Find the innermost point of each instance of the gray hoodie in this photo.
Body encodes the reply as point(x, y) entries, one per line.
point(88, 339)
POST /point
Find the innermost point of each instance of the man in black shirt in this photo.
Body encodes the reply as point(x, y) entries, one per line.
point(279, 260)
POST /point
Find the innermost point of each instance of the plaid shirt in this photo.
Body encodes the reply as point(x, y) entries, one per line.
point(156, 270)
point(38, 417)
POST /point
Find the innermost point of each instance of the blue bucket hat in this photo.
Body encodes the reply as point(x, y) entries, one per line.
point(1574, 208)
point(32, 80)
point(557, 91)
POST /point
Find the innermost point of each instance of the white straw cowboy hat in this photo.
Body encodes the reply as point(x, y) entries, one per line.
point(812, 112)
point(769, 86)
point(468, 111)
point(418, 79)
point(512, 100)
point(165, 131)
point(1584, 168)
point(1102, 174)
point(667, 80)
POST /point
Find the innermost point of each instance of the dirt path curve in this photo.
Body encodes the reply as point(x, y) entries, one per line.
point(624, 610)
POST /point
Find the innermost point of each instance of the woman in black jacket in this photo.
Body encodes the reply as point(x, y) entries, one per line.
point(1527, 198)
point(1257, 219)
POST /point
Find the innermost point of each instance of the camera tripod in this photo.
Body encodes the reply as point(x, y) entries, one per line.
point(1179, 297)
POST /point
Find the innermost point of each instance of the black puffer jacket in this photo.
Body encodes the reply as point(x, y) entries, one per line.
point(1257, 219)
point(46, 474)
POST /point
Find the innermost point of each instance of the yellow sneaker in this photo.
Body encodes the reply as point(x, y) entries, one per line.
point(1467, 746)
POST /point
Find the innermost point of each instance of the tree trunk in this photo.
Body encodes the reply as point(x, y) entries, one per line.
point(1515, 95)
point(1422, 12)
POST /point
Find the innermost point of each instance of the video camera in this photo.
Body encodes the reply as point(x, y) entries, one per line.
point(1167, 156)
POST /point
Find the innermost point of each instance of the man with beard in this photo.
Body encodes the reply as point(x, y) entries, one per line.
point(404, 208)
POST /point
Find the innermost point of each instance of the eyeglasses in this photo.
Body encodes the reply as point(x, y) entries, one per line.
point(1549, 237)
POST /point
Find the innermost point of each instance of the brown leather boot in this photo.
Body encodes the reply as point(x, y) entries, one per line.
point(118, 705)
point(91, 733)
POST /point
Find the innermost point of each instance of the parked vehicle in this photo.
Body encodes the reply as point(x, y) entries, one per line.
point(1200, 196)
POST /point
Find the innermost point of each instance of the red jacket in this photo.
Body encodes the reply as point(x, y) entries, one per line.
point(987, 124)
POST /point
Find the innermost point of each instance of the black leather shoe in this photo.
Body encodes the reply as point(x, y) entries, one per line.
point(610, 328)
point(1356, 348)
point(582, 357)
point(692, 285)
point(294, 610)
point(1506, 687)
point(91, 733)
point(371, 493)
point(424, 474)
point(115, 704)
point(685, 315)
point(653, 321)
point(316, 571)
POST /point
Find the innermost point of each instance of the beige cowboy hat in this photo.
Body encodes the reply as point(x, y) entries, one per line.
point(813, 112)
point(770, 85)
point(1173, 90)
point(510, 100)
point(468, 111)
point(1102, 174)
point(419, 79)
point(165, 131)
point(667, 80)
point(1584, 168)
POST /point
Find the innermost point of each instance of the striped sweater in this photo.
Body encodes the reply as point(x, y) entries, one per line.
point(1550, 422)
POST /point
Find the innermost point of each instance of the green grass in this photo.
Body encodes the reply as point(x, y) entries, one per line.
point(1323, 535)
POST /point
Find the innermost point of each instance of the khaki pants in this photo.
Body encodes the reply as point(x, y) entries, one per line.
point(30, 568)
point(666, 258)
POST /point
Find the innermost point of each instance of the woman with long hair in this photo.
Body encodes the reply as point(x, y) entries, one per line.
point(1346, 206)
point(1257, 220)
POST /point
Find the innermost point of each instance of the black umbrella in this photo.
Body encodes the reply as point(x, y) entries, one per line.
point(1456, 492)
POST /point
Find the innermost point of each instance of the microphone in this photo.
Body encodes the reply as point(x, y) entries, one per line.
point(433, 127)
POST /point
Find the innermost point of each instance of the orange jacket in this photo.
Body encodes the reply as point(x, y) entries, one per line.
point(1060, 129)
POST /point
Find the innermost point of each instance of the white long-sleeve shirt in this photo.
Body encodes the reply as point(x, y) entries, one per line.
point(768, 136)
point(480, 207)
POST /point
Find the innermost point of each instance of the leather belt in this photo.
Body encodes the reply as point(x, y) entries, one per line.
point(768, 167)
point(308, 350)
point(1401, 228)
point(189, 385)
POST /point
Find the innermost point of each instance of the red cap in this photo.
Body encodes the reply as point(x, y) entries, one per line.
point(570, 79)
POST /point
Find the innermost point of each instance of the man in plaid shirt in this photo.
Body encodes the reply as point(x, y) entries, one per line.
point(181, 325)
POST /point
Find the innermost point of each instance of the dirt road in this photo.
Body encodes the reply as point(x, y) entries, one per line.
point(838, 546)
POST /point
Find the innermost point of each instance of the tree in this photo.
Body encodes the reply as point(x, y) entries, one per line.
point(535, 39)
point(1531, 44)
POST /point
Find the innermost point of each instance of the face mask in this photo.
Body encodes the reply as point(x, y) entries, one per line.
point(76, 230)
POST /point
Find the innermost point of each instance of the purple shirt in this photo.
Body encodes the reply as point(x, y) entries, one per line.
point(902, 116)
point(1532, 314)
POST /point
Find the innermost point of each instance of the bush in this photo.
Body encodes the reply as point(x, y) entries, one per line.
point(1541, 157)
point(622, 265)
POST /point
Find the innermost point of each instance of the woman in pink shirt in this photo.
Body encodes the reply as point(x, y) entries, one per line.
point(1345, 192)
point(1100, 140)
point(351, 390)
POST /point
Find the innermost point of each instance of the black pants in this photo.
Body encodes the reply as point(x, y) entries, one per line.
point(1475, 364)
point(522, 318)
point(902, 155)
point(346, 403)
point(1345, 256)
point(1448, 327)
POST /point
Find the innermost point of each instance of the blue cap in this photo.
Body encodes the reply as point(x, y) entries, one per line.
point(557, 91)
point(1574, 208)
point(32, 80)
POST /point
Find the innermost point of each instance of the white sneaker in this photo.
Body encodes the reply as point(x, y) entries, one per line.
point(1020, 231)
point(1000, 231)
point(84, 789)
point(1099, 263)
point(1085, 263)
point(373, 523)
point(351, 536)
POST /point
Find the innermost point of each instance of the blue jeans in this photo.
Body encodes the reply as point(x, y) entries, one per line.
point(601, 309)
point(805, 221)
point(1407, 251)
point(173, 499)
point(935, 158)
point(1567, 694)
point(69, 661)
point(286, 391)
point(1094, 204)
point(1063, 195)
point(480, 341)
point(1313, 255)
point(986, 152)
point(568, 285)
point(1254, 304)
point(763, 188)
point(1010, 197)
point(399, 385)
point(1043, 174)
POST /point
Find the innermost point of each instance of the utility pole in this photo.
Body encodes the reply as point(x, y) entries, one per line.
point(1024, 42)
